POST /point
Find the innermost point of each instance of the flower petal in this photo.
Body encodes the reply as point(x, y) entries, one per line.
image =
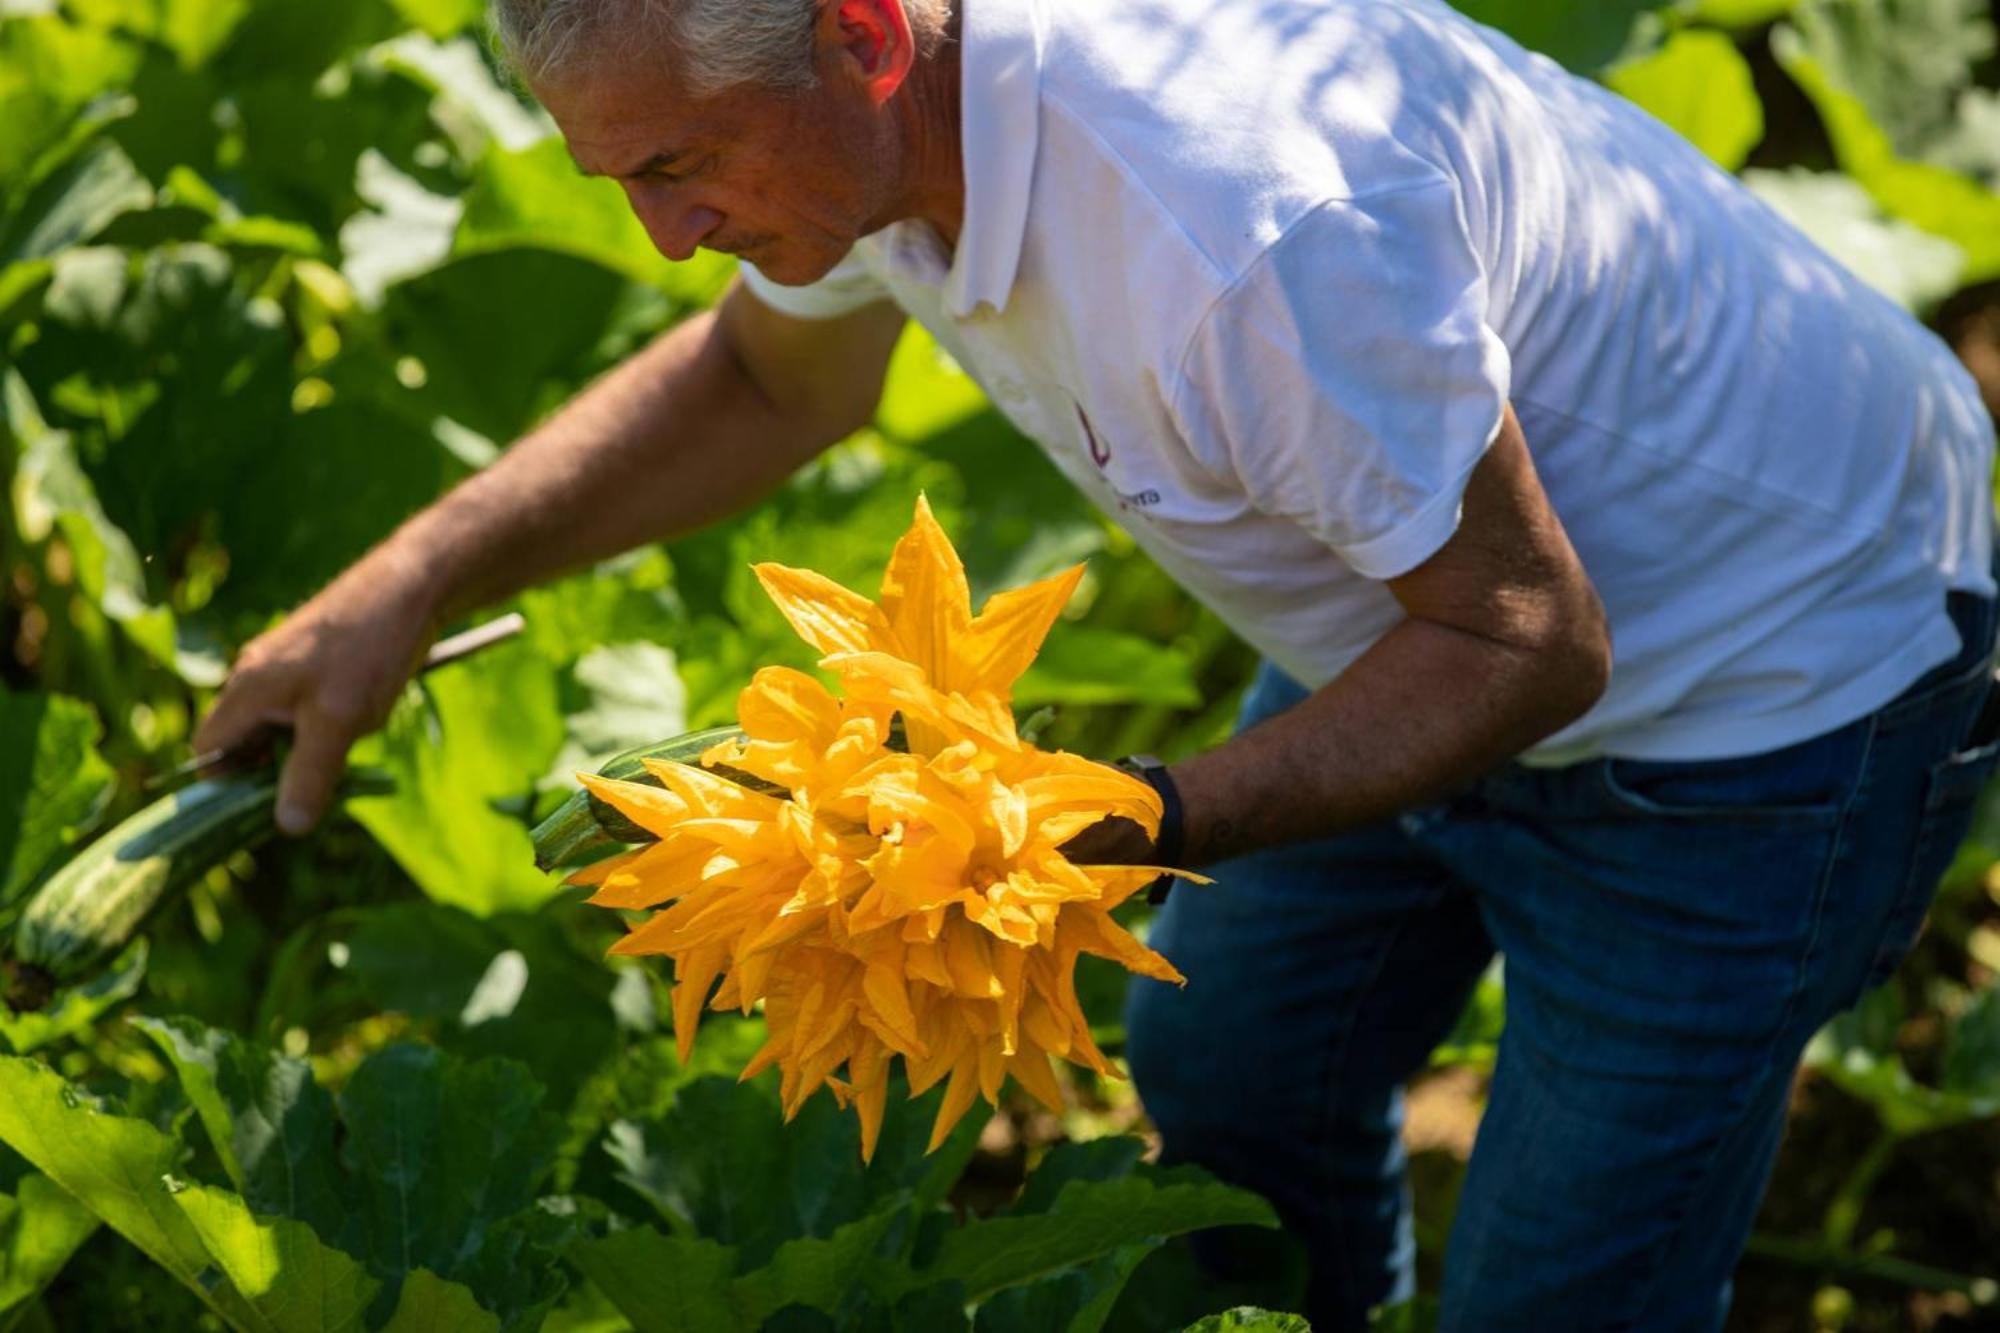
point(831, 618)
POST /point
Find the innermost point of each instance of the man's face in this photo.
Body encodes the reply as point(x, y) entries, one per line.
point(788, 182)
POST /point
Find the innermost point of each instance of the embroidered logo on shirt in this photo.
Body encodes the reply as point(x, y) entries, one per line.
point(1100, 454)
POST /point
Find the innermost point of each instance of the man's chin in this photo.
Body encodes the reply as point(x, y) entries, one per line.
point(785, 265)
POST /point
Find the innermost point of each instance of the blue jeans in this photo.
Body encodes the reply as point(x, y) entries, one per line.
point(1673, 933)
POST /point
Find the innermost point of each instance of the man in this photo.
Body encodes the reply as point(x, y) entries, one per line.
point(1621, 562)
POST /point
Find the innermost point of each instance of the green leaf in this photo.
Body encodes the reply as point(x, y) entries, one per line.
point(441, 18)
point(1108, 1158)
point(1077, 1301)
point(536, 197)
point(423, 1192)
point(722, 1163)
point(1904, 61)
point(663, 1284)
point(383, 469)
point(294, 1282)
point(116, 1167)
point(1940, 201)
point(1910, 267)
point(53, 495)
point(1249, 1319)
point(1585, 37)
point(52, 782)
point(506, 985)
point(494, 730)
point(75, 204)
point(1699, 84)
point(1972, 1048)
point(1084, 666)
point(634, 696)
point(1857, 1051)
point(40, 1228)
point(1089, 1220)
point(271, 1126)
point(49, 70)
point(822, 1274)
point(429, 1304)
point(462, 321)
point(77, 1008)
point(1736, 14)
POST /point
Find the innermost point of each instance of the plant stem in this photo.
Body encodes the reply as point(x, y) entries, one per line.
point(1822, 1258)
point(1844, 1213)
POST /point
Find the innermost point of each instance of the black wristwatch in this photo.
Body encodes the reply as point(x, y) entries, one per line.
point(1172, 839)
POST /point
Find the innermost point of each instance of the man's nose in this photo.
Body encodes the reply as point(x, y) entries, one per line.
point(676, 227)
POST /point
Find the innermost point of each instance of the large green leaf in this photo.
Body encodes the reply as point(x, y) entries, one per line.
point(429, 1304)
point(1911, 267)
point(1076, 1301)
point(1088, 1221)
point(380, 467)
point(1700, 85)
point(1857, 1051)
point(40, 1227)
point(293, 1281)
point(663, 1284)
point(721, 1163)
point(77, 203)
point(1904, 61)
point(1972, 1048)
point(829, 1274)
point(425, 1191)
point(271, 1126)
point(115, 1166)
point(468, 324)
point(52, 781)
point(1083, 665)
point(1585, 37)
point(631, 695)
point(536, 197)
point(493, 732)
point(50, 70)
point(53, 496)
point(506, 985)
point(1937, 199)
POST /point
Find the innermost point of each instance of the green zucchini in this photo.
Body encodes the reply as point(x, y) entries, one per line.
point(586, 828)
point(90, 908)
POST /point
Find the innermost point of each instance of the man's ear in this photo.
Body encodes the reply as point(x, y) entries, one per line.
point(869, 41)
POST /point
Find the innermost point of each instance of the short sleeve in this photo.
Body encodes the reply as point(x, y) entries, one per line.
point(846, 287)
point(1350, 378)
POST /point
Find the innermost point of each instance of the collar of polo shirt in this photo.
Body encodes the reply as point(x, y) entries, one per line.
point(1000, 113)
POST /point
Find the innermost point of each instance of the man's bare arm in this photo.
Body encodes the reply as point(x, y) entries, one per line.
point(1505, 643)
point(712, 415)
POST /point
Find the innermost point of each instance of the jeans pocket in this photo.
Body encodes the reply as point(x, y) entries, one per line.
point(1951, 797)
point(1805, 785)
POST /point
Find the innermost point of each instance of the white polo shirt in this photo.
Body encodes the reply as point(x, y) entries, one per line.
point(1260, 275)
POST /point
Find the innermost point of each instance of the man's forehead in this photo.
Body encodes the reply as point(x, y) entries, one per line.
point(624, 123)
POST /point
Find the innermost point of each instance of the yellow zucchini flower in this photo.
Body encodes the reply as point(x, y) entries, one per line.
point(898, 903)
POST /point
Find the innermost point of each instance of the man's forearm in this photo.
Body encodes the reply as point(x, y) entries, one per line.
point(1424, 712)
point(671, 440)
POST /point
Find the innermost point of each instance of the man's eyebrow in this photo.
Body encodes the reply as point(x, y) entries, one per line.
point(653, 163)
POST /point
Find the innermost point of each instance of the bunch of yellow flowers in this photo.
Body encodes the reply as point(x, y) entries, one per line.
point(900, 903)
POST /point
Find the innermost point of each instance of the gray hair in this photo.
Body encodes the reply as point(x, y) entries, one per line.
point(714, 44)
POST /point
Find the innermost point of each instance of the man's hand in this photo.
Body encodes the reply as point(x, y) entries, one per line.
point(1505, 644)
point(331, 672)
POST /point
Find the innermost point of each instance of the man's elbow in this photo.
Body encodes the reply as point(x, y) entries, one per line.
point(1576, 662)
